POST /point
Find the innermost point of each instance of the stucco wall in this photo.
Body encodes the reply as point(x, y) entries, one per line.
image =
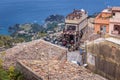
point(98, 26)
point(83, 24)
point(111, 28)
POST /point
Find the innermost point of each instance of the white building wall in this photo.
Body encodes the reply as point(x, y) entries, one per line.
point(90, 59)
point(111, 28)
point(83, 24)
point(117, 15)
point(115, 18)
point(113, 21)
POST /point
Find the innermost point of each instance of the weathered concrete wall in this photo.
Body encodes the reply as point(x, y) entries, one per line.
point(104, 58)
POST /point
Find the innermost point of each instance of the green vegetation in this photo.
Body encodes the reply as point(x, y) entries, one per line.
point(26, 32)
point(24, 37)
point(1, 43)
point(55, 18)
point(3, 75)
point(10, 74)
point(31, 31)
point(51, 26)
point(7, 41)
point(27, 28)
point(36, 28)
point(41, 34)
point(13, 74)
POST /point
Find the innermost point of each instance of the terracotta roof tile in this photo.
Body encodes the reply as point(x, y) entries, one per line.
point(58, 70)
point(76, 14)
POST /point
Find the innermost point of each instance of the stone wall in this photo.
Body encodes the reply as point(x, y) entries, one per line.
point(103, 58)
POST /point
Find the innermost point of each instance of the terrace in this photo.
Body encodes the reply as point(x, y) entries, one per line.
point(76, 16)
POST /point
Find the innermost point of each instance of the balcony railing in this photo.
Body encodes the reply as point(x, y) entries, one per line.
point(70, 32)
point(116, 33)
point(76, 21)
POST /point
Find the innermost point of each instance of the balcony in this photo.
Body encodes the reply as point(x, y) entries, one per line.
point(115, 33)
point(75, 21)
point(70, 32)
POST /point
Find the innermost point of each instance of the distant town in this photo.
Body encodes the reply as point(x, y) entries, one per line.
point(75, 47)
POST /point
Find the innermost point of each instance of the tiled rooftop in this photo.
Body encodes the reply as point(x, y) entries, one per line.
point(58, 70)
point(76, 14)
point(34, 50)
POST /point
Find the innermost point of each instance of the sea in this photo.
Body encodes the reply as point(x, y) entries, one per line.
point(30, 11)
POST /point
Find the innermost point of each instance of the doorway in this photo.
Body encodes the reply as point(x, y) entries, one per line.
point(103, 29)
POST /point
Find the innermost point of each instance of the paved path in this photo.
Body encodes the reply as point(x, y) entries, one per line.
point(74, 56)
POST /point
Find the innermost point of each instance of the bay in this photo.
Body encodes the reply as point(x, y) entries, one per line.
point(29, 11)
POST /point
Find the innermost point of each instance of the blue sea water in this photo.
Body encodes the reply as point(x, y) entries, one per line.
point(24, 11)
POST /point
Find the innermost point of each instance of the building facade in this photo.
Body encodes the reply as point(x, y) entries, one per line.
point(115, 22)
point(108, 21)
point(75, 22)
point(101, 23)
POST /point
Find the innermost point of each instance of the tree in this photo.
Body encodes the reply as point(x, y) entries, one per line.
point(3, 75)
point(55, 18)
point(1, 43)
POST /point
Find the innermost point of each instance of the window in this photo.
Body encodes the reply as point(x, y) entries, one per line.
point(76, 39)
point(103, 28)
point(71, 28)
point(117, 28)
point(113, 14)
